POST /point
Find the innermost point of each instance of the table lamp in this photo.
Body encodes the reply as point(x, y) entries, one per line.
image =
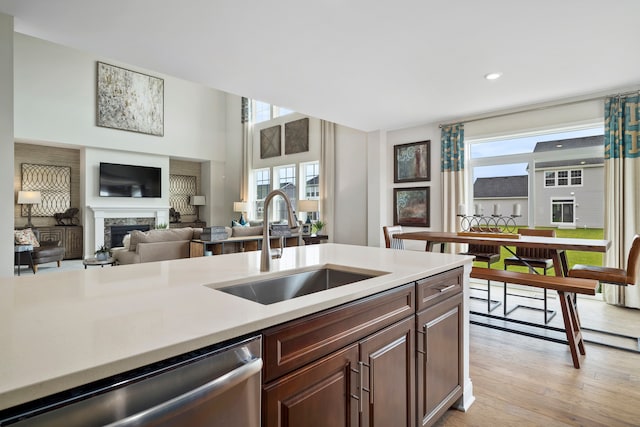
point(308, 206)
point(29, 198)
point(241, 207)
point(197, 201)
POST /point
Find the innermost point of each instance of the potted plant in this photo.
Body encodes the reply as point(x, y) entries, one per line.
point(102, 253)
point(318, 226)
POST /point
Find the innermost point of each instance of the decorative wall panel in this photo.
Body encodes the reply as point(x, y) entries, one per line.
point(296, 136)
point(54, 185)
point(181, 188)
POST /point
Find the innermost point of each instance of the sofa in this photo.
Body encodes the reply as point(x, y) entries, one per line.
point(155, 245)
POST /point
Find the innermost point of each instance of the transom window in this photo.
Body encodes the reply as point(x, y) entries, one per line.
point(263, 111)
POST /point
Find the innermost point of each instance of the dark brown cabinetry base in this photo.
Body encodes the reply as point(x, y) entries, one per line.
point(392, 359)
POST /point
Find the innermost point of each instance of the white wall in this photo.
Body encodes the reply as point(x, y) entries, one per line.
point(350, 221)
point(6, 143)
point(403, 136)
point(55, 103)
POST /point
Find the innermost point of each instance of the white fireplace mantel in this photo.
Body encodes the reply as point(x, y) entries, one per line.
point(160, 213)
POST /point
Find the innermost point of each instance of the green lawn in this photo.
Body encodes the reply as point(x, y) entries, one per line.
point(574, 257)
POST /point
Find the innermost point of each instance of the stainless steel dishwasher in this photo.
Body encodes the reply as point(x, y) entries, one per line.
point(214, 388)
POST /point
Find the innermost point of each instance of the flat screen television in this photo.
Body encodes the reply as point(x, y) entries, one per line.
point(129, 181)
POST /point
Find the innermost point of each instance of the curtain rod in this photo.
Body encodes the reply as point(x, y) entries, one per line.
point(541, 108)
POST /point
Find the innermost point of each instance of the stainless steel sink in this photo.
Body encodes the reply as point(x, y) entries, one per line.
point(283, 288)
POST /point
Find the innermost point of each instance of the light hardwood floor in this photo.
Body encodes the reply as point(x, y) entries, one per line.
point(523, 381)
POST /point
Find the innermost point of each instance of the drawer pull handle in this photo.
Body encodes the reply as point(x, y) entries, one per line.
point(446, 288)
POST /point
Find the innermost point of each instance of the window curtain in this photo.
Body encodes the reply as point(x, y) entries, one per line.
point(453, 182)
point(622, 181)
point(327, 175)
point(247, 141)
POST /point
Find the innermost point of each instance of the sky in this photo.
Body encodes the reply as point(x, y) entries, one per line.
point(516, 146)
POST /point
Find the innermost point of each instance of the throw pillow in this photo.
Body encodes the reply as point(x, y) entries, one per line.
point(125, 241)
point(235, 223)
point(26, 237)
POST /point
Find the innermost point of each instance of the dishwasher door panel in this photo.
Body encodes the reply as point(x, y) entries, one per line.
point(213, 389)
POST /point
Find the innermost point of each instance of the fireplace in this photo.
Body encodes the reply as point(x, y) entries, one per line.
point(104, 217)
point(119, 231)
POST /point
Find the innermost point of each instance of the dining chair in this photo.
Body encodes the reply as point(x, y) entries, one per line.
point(532, 258)
point(489, 254)
point(615, 276)
point(389, 241)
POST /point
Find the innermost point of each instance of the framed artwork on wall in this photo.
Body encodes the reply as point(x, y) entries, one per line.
point(412, 162)
point(411, 206)
point(296, 136)
point(129, 100)
point(270, 142)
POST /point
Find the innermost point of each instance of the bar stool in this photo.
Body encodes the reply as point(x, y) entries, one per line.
point(532, 258)
point(611, 275)
point(489, 254)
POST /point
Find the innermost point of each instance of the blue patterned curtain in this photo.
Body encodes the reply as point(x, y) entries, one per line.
point(622, 181)
point(452, 148)
point(453, 182)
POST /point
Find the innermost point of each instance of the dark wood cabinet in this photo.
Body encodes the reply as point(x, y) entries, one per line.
point(439, 347)
point(374, 362)
point(387, 371)
point(318, 395)
point(70, 236)
point(349, 366)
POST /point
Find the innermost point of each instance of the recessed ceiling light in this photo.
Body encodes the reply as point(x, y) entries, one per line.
point(493, 76)
point(583, 162)
point(558, 145)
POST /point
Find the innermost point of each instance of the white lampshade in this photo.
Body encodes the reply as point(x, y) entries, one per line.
point(240, 206)
point(197, 200)
point(29, 197)
point(307, 206)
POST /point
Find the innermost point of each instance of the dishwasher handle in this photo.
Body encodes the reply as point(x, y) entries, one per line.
point(210, 389)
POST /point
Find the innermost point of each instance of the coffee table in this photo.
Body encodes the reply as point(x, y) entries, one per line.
point(100, 262)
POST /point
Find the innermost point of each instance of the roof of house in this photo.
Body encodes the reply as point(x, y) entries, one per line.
point(572, 162)
point(501, 186)
point(567, 144)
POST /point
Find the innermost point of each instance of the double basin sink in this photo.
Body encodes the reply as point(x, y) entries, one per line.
point(282, 288)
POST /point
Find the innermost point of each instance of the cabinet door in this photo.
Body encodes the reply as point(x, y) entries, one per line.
point(73, 242)
point(439, 351)
point(387, 366)
point(317, 395)
point(52, 233)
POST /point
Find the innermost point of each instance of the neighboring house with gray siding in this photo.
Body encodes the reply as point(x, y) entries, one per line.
point(568, 193)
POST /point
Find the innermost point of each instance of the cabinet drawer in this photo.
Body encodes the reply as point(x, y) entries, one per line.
point(294, 344)
point(434, 289)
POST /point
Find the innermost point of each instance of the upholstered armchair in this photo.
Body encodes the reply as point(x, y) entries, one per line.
point(46, 251)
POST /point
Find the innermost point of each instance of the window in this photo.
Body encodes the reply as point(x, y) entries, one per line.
point(263, 111)
point(576, 177)
point(286, 181)
point(311, 173)
point(562, 211)
point(262, 178)
point(563, 178)
point(550, 179)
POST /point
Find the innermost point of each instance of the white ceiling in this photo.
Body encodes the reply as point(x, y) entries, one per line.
point(367, 64)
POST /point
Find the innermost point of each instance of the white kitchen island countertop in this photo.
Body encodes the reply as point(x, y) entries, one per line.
point(61, 330)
